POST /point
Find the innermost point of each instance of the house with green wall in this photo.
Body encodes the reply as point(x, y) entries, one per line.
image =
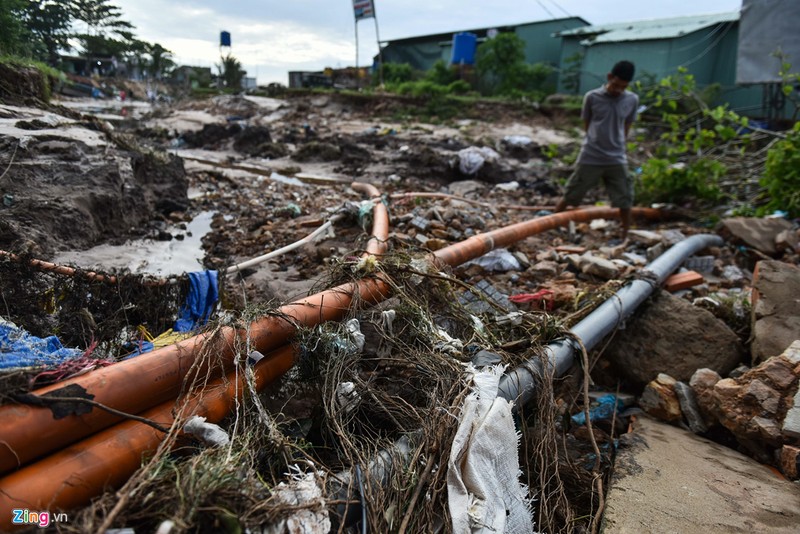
point(540, 44)
point(706, 46)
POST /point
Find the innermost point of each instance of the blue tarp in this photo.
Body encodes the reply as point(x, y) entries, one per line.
point(203, 296)
point(19, 349)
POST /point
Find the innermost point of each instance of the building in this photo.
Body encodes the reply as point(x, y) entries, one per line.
point(192, 77)
point(705, 45)
point(423, 52)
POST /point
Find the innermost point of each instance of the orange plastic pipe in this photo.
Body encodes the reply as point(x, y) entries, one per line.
point(61, 269)
point(28, 432)
point(71, 477)
point(479, 244)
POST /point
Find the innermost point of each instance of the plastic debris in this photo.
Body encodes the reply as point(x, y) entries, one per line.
point(606, 406)
point(518, 140)
point(357, 338)
point(347, 397)
point(471, 159)
point(543, 298)
point(203, 296)
point(303, 493)
point(254, 357)
point(387, 319)
point(497, 260)
point(508, 186)
point(208, 433)
point(19, 349)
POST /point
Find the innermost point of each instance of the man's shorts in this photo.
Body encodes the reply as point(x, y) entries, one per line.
point(615, 178)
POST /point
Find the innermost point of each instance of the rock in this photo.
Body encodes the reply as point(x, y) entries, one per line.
point(660, 400)
point(776, 308)
point(635, 259)
point(464, 188)
point(739, 371)
point(668, 334)
point(600, 267)
point(703, 382)
point(757, 233)
point(655, 251)
point(689, 408)
point(791, 423)
point(787, 241)
point(760, 407)
point(645, 237)
point(765, 396)
point(522, 258)
point(546, 269)
point(672, 237)
point(790, 462)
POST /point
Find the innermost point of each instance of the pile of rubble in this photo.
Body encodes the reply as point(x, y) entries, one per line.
point(715, 351)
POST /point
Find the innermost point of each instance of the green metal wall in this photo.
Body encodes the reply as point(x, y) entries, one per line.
point(421, 55)
point(709, 55)
point(540, 45)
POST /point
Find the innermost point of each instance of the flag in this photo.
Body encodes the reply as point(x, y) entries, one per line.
point(363, 9)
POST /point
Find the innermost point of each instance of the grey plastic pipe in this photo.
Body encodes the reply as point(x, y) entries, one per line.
point(519, 384)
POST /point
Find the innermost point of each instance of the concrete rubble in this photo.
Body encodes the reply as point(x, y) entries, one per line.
point(667, 479)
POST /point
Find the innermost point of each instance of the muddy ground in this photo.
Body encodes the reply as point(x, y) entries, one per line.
point(77, 174)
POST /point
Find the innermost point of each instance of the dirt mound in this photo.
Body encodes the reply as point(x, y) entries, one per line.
point(64, 193)
point(21, 84)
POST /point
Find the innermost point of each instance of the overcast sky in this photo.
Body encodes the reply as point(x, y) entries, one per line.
point(273, 37)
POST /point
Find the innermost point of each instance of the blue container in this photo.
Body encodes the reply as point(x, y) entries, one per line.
point(464, 46)
point(225, 38)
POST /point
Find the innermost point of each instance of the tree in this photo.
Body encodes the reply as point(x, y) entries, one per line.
point(501, 65)
point(49, 23)
point(12, 28)
point(160, 61)
point(103, 22)
point(231, 71)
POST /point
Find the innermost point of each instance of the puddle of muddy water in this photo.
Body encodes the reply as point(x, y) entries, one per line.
point(146, 256)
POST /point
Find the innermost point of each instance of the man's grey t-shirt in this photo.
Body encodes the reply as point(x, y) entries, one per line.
point(607, 115)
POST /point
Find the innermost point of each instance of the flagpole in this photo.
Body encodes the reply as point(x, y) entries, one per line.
point(358, 79)
point(378, 38)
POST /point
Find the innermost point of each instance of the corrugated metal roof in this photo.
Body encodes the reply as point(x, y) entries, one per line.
point(647, 29)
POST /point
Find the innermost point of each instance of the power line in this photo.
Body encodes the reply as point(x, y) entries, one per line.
point(561, 8)
point(545, 8)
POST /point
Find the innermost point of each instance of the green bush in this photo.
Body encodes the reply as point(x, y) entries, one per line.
point(665, 181)
point(441, 74)
point(781, 177)
point(395, 73)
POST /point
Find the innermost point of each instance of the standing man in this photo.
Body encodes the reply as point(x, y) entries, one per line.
point(607, 114)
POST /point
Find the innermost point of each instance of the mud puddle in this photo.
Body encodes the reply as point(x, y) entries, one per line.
point(147, 256)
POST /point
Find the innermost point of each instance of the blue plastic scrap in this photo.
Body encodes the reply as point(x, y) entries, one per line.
point(200, 302)
point(19, 349)
point(606, 406)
